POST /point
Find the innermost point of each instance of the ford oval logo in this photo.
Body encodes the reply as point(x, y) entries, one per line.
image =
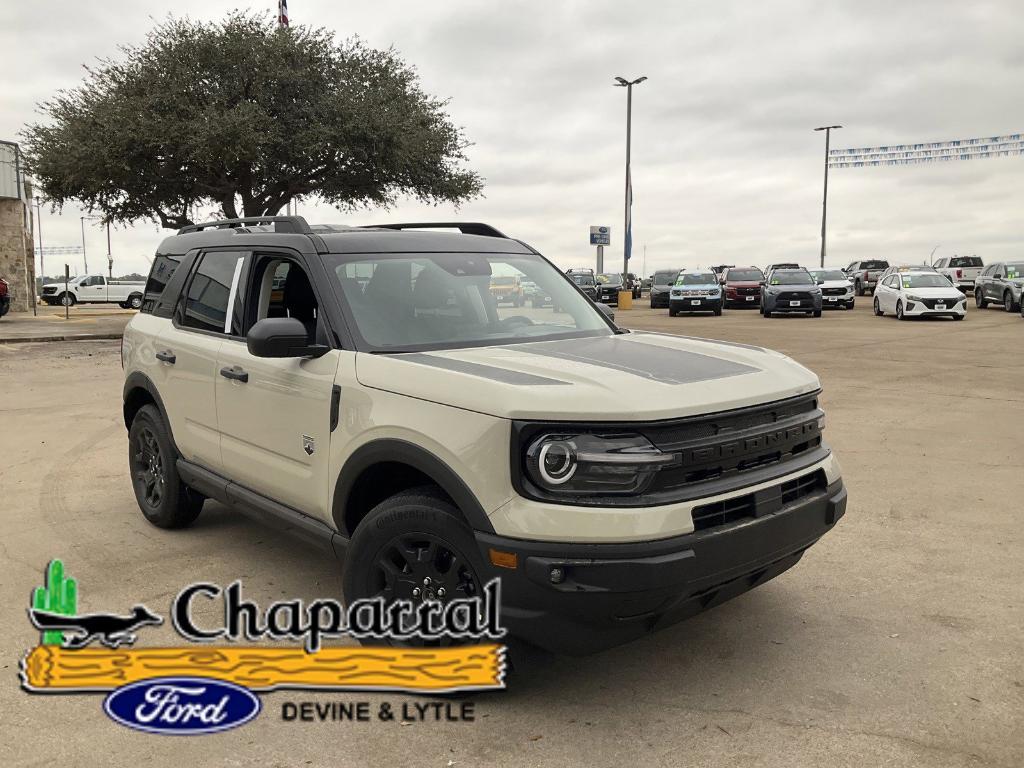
point(182, 705)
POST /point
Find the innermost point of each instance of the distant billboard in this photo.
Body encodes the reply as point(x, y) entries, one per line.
point(12, 171)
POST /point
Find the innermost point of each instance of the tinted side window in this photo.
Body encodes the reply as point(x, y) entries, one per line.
point(206, 300)
point(159, 275)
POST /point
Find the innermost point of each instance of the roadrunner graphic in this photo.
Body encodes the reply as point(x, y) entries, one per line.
point(110, 629)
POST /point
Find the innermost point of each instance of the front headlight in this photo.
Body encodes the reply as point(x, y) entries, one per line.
point(594, 464)
point(913, 297)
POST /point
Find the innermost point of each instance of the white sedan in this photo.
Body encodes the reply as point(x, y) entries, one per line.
point(914, 294)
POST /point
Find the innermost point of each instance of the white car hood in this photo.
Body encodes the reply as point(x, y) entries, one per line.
point(935, 293)
point(634, 376)
point(837, 284)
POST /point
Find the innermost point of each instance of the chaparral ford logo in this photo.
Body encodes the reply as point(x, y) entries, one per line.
point(205, 688)
point(182, 705)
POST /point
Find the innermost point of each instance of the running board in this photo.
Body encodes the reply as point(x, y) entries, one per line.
point(262, 509)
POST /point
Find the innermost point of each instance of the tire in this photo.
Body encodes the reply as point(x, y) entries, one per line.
point(1008, 303)
point(979, 299)
point(767, 314)
point(135, 301)
point(899, 310)
point(671, 312)
point(959, 317)
point(401, 532)
point(718, 311)
point(877, 308)
point(851, 305)
point(816, 313)
point(67, 299)
point(857, 289)
point(164, 499)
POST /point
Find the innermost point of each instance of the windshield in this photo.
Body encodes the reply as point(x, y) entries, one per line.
point(413, 302)
point(1015, 270)
point(750, 275)
point(965, 261)
point(665, 277)
point(924, 280)
point(583, 279)
point(609, 279)
point(697, 278)
point(791, 278)
point(828, 274)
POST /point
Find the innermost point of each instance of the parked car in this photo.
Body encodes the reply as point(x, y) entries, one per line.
point(915, 294)
point(1000, 283)
point(661, 286)
point(429, 443)
point(5, 297)
point(95, 289)
point(907, 268)
point(587, 282)
point(537, 296)
point(608, 286)
point(695, 292)
point(836, 288)
point(507, 288)
point(865, 274)
point(742, 286)
point(791, 290)
point(962, 271)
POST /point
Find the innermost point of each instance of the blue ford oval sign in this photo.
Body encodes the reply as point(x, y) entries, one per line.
point(182, 705)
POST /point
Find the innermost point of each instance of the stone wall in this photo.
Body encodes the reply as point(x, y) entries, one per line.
point(17, 259)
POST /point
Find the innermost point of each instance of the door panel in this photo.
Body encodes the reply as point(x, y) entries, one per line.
point(187, 390)
point(270, 423)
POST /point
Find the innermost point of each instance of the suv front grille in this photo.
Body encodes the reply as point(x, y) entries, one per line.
point(757, 504)
point(930, 303)
point(833, 291)
point(794, 296)
point(48, 290)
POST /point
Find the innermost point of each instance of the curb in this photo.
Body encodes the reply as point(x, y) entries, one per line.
point(63, 337)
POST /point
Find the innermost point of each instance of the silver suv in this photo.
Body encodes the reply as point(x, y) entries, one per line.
point(364, 389)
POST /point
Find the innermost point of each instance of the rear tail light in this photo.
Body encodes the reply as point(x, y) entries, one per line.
point(959, 273)
point(866, 275)
point(3, 287)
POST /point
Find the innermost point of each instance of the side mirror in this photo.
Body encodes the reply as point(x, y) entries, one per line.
point(761, 282)
point(821, 282)
point(605, 310)
point(997, 276)
point(282, 337)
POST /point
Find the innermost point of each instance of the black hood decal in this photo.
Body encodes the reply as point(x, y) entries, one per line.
point(648, 361)
point(476, 369)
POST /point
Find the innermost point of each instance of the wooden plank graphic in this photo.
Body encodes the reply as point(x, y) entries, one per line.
point(50, 668)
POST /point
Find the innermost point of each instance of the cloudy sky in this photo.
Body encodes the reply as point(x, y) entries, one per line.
point(726, 168)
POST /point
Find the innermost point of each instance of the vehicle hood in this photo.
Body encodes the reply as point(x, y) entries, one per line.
point(743, 283)
point(696, 286)
point(633, 377)
point(660, 288)
point(837, 284)
point(797, 288)
point(935, 293)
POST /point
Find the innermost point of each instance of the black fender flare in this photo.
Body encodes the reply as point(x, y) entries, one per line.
point(138, 380)
point(404, 452)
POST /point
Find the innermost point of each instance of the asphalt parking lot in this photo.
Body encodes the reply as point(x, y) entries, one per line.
point(896, 641)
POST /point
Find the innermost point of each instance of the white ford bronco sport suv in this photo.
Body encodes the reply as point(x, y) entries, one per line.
point(362, 388)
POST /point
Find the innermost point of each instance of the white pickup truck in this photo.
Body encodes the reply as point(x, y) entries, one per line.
point(95, 289)
point(962, 271)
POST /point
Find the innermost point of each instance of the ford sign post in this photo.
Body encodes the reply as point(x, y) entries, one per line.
point(182, 706)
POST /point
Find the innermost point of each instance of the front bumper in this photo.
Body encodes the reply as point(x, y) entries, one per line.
point(613, 593)
point(695, 303)
point(742, 299)
point(659, 299)
point(835, 302)
point(808, 303)
point(918, 309)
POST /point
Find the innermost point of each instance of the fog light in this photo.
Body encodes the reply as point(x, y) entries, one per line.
point(557, 575)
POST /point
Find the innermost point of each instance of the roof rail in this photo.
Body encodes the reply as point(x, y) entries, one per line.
point(465, 227)
point(291, 224)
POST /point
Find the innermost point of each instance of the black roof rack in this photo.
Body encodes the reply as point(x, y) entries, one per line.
point(291, 224)
point(465, 227)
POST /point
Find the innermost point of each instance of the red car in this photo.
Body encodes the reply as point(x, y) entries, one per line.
point(742, 286)
point(5, 297)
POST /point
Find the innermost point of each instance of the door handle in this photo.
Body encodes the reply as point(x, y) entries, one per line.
point(167, 356)
point(235, 374)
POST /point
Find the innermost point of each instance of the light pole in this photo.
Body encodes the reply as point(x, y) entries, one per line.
point(39, 234)
point(824, 200)
point(930, 255)
point(85, 259)
point(627, 231)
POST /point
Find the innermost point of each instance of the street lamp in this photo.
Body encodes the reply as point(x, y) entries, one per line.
point(627, 245)
point(930, 255)
point(824, 200)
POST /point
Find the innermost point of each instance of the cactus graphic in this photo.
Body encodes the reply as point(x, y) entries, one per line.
point(60, 595)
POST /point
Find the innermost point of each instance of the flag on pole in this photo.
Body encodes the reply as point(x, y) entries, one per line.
point(628, 247)
point(282, 13)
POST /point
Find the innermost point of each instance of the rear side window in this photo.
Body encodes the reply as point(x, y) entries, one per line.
point(209, 292)
point(159, 275)
point(874, 264)
point(965, 261)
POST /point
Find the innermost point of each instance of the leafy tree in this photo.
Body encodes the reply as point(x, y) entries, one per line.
point(245, 116)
